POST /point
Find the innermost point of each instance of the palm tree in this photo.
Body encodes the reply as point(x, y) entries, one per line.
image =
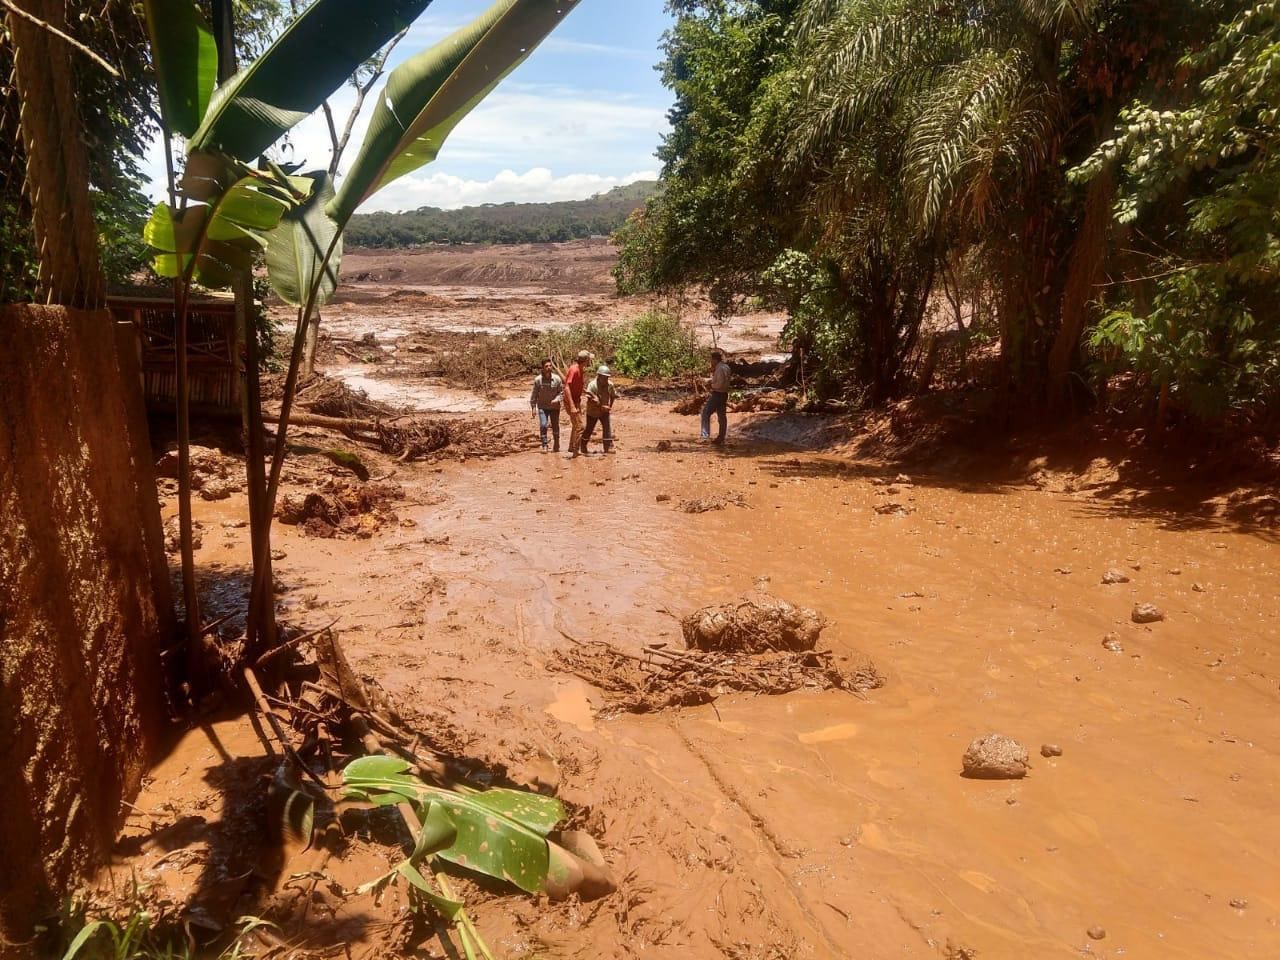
point(993, 102)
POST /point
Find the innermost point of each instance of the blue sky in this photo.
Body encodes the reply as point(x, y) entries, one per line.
point(584, 113)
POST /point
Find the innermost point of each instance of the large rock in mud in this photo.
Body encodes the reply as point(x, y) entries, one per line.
point(753, 626)
point(995, 757)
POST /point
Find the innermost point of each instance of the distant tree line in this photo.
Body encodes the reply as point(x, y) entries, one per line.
point(501, 223)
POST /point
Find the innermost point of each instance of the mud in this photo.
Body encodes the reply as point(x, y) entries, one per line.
point(816, 823)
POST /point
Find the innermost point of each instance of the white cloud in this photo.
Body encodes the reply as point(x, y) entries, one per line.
point(537, 128)
point(538, 185)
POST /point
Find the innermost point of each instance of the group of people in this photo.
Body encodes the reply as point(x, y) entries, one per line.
point(589, 404)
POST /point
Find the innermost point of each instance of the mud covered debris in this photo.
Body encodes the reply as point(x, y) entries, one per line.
point(341, 509)
point(663, 679)
point(757, 625)
point(995, 757)
point(214, 475)
point(708, 504)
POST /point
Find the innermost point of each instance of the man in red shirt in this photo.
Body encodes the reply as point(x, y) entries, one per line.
point(574, 383)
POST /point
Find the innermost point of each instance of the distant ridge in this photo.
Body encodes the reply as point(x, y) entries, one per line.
point(501, 222)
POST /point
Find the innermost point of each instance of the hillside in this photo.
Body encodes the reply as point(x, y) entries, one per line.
point(501, 223)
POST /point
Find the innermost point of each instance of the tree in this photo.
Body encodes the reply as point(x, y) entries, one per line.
point(1199, 190)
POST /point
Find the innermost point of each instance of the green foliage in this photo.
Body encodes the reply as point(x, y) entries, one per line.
point(305, 250)
point(658, 344)
point(137, 939)
point(307, 62)
point(562, 344)
point(846, 157)
point(232, 210)
point(501, 222)
point(1200, 189)
point(498, 833)
point(429, 94)
point(186, 62)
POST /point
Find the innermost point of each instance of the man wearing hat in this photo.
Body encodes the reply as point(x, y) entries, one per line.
point(600, 397)
point(574, 381)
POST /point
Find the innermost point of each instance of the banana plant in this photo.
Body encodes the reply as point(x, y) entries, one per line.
point(498, 833)
point(227, 127)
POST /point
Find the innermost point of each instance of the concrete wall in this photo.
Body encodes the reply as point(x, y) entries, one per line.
point(84, 601)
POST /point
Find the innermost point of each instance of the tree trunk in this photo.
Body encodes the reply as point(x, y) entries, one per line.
point(1088, 258)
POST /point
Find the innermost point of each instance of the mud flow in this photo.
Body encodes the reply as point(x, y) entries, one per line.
point(824, 822)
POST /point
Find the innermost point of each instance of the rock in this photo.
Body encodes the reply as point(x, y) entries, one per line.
point(1115, 576)
point(664, 446)
point(893, 508)
point(664, 497)
point(278, 554)
point(1050, 750)
point(902, 478)
point(173, 535)
point(1239, 903)
point(1097, 933)
point(213, 489)
point(1197, 587)
point(995, 757)
point(573, 496)
point(234, 524)
point(1065, 571)
point(292, 509)
point(1112, 642)
point(1146, 613)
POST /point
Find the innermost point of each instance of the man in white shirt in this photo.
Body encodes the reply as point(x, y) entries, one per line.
point(717, 399)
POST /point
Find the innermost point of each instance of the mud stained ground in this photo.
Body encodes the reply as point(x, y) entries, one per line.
point(828, 824)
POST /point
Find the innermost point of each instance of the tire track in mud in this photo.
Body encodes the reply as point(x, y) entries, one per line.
point(780, 847)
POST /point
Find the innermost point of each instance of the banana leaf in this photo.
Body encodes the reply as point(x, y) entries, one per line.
point(497, 835)
point(427, 95)
point(233, 212)
point(314, 56)
point(185, 59)
point(304, 252)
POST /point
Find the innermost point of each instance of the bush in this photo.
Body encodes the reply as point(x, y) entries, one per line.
point(563, 345)
point(658, 344)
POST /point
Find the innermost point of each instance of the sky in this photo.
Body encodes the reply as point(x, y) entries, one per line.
point(584, 113)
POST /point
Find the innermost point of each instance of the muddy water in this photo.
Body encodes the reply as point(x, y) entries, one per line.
point(1149, 825)
point(985, 609)
point(823, 824)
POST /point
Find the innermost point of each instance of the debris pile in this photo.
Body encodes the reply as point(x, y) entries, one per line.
point(663, 678)
point(341, 509)
point(415, 438)
point(334, 398)
point(757, 625)
point(214, 475)
point(690, 405)
point(707, 504)
point(769, 401)
point(761, 645)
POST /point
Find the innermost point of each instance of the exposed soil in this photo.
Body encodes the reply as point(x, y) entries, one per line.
point(817, 823)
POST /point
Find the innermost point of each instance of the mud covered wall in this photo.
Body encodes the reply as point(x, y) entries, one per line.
point(84, 601)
